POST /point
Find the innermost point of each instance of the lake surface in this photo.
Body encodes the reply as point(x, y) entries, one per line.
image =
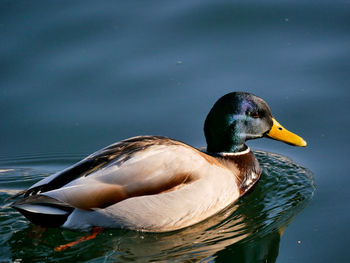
point(75, 77)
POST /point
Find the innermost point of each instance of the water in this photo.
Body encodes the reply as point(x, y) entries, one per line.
point(75, 77)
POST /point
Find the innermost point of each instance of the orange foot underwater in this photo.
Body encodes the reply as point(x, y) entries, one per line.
point(95, 231)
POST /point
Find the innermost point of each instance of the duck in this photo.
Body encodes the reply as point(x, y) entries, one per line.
point(158, 184)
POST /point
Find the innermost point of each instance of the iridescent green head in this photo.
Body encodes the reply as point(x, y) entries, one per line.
point(237, 117)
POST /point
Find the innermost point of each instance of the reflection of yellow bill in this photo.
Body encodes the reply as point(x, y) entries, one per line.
point(278, 132)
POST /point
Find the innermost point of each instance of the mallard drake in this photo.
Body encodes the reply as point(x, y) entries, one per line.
point(153, 183)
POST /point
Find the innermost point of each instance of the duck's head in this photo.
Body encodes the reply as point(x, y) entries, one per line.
point(237, 117)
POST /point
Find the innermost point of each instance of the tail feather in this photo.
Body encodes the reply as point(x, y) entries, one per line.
point(15, 195)
point(43, 210)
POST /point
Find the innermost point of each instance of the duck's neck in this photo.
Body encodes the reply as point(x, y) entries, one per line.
point(226, 148)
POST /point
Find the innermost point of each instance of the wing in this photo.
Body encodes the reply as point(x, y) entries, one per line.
point(156, 169)
point(134, 167)
point(114, 154)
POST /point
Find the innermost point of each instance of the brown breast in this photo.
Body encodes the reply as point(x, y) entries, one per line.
point(248, 167)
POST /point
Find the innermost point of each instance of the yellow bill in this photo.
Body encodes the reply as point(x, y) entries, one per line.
point(278, 132)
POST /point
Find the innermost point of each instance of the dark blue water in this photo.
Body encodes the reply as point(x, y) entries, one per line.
point(75, 77)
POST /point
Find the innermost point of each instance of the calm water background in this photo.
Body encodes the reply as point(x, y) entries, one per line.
point(75, 77)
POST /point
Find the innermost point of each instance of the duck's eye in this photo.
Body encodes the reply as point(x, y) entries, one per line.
point(253, 114)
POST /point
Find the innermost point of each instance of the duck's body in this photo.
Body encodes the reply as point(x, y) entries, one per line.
point(147, 183)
